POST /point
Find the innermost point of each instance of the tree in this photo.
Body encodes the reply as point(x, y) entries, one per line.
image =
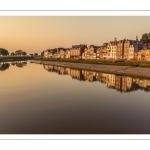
point(42, 53)
point(4, 52)
point(36, 54)
point(24, 53)
point(12, 54)
point(145, 38)
point(18, 52)
point(31, 55)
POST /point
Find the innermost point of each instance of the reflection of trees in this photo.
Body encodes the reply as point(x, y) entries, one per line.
point(19, 63)
point(4, 66)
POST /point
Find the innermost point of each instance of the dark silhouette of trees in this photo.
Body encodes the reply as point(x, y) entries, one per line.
point(31, 55)
point(4, 52)
point(145, 38)
point(19, 64)
point(12, 54)
point(24, 53)
point(20, 53)
point(4, 66)
point(42, 53)
point(36, 54)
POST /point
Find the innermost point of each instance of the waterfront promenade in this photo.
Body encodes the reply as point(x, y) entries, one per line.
point(120, 70)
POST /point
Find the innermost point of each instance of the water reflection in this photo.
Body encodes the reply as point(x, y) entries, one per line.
point(19, 63)
point(4, 66)
point(112, 81)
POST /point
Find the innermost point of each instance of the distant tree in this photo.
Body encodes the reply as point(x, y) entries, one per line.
point(4, 52)
point(145, 38)
point(12, 54)
point(36, 54)
point(24, 53)
point(18, 52)
point(42, 53)
point(31, 55)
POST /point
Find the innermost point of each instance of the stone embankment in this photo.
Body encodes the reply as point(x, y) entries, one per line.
point(120, 70)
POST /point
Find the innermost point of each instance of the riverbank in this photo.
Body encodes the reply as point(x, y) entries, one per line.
point(15, 58)
point(120, 70)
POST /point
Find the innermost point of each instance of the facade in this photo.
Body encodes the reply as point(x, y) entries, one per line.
point(126, 49)
point(62, 53)
point(103, 51)
point(67, 53)
point(111, 50)
point(91, 52)
point(120, 49)
point(144, 54)
point(131, 52)
point(77, 50)
point(50, 53)
point(47, 54)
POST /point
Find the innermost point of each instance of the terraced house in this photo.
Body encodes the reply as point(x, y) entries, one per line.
point(144, 54)
point(49, 53)
point(131, 47)
point(111, 50)
point(90, 52)
point(77, 50)
point(120, 49)
point(102, 51)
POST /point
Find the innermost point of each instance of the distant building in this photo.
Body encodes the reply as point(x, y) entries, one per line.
point(144, 54)
point(77, 50)
point(91, 52)
point(102, 51)
point(111, 50)
point(67, 53)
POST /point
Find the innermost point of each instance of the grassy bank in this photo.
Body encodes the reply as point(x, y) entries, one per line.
point(15, 58)
point(100, 62)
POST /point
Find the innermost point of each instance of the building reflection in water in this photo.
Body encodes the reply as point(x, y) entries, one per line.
point(118, 82)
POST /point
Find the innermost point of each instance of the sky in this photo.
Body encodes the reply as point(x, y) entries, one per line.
point(37, 33)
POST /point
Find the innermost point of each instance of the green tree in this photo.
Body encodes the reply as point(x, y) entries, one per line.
point(4, 52)
point(145, 38)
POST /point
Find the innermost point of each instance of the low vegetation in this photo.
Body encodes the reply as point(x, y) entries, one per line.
point(100, 62)
point(14, 58)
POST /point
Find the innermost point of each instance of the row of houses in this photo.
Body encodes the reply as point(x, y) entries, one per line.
point(122, 49)
point(117, 82)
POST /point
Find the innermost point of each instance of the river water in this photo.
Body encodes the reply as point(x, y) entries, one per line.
point(44, 99)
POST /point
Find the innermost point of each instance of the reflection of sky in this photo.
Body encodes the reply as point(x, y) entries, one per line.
point(33, 100)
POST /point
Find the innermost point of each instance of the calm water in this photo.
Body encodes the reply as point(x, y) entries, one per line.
point(42, 99)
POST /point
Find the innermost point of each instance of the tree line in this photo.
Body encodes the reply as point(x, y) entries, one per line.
point(5, 52)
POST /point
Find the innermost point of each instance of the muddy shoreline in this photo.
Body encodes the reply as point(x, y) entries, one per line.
point(120, 70)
